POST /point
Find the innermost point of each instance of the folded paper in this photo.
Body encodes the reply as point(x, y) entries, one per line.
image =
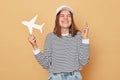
point(31, 24)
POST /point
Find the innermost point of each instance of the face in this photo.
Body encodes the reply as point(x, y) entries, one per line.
point(65, 19)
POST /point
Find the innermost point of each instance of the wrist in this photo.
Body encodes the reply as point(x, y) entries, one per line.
point(84, 37)
point(35, 47)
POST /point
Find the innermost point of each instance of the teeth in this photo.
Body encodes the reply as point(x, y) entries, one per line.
point(65, 22)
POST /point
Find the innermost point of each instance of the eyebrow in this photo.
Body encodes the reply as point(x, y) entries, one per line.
point(67, 14)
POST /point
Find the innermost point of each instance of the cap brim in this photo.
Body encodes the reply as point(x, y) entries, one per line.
point(63, 7)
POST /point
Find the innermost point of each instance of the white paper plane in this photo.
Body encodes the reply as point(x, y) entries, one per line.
point(31, 24)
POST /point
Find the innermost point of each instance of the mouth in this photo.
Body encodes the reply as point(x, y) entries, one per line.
point(65, 22)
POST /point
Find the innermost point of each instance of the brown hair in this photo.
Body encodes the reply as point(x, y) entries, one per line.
point(57, 29)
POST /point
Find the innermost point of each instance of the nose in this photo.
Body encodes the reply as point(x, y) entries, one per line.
point(65, 17)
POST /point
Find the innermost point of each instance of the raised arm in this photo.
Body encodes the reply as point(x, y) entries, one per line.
point(43, 58)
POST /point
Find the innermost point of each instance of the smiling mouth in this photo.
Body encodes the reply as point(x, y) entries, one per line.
point(65, 22)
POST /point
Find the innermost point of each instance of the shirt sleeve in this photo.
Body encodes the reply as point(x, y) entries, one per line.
point(37, 51)
point(83, 50)
point(85, 41)
point(44, 59)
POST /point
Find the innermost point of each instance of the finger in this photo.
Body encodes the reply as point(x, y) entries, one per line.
point(34, 40)
point(85, 30)
point(31, 37)
point(30, 34)
point(86, 27)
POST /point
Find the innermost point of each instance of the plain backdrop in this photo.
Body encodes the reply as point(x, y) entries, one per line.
point(17, 61)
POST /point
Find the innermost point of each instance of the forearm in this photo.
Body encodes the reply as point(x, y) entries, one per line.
point(43, 60)
point(35, 46)
point(83, 50)
point(84, 54)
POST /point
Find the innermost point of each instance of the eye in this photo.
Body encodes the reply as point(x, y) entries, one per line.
point(61, 15)
point(68, 15)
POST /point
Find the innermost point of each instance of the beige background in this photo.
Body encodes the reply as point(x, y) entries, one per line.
point(16, 58)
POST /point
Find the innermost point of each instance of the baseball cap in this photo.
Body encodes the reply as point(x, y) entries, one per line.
point(64, 7)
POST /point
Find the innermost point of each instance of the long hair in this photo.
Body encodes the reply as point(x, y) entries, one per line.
point(57, 29)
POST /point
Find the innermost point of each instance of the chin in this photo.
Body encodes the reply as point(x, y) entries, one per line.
point(65, 27)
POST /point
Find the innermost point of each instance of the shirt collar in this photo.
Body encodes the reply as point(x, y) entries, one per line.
point(65, 34)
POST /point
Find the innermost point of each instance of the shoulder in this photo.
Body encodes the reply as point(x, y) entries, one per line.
point(78, 33)
point(50, 35)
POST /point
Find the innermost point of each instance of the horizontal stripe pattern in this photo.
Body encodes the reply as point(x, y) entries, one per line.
point(65, 54)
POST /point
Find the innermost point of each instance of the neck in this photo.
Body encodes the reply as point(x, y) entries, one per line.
point(64, 30)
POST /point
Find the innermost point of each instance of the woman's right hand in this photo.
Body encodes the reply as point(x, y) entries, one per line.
point(32, 41)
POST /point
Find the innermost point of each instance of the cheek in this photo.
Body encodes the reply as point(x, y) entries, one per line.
point(69, 19)
point(59, 21)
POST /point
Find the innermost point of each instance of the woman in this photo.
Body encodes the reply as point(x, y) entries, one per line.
point(66, 49)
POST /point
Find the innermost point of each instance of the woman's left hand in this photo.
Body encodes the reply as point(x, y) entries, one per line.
point(85, 30)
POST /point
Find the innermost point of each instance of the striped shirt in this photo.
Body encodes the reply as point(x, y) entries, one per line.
point(65, 54)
